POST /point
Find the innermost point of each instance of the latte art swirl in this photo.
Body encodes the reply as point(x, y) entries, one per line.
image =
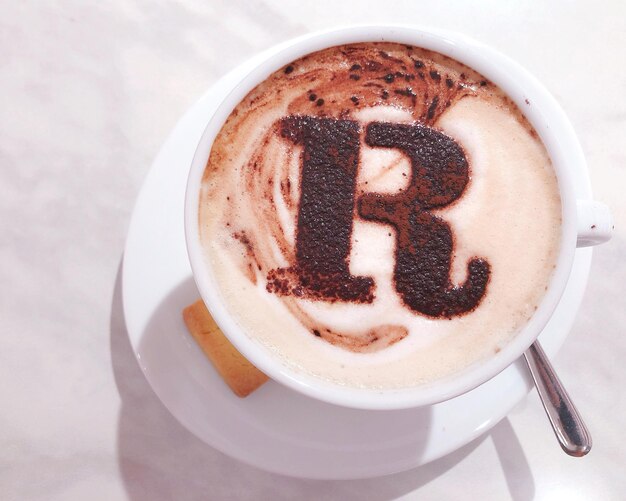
point(350, 315)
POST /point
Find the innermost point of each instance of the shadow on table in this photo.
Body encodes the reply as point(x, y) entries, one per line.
point(159, 459)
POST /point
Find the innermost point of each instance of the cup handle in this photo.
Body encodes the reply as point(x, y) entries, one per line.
point(595, 223)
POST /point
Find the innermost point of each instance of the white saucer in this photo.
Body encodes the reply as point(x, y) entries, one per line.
point(275, 428)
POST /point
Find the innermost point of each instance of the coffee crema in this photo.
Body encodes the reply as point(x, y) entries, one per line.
point(379, 216)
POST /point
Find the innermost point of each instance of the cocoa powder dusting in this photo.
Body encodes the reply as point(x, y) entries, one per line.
point(424, 241)
point(320, 130)
point(324, 227)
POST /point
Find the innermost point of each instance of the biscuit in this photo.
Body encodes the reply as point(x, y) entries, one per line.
point(238, 373)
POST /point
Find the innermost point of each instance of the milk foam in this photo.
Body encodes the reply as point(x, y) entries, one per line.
point(509, 214)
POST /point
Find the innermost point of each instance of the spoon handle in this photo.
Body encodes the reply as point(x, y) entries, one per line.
point(568, 425)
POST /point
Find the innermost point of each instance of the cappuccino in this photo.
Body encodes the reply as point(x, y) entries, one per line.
point(379, 216)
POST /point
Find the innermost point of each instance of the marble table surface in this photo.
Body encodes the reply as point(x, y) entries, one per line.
point(88, 92)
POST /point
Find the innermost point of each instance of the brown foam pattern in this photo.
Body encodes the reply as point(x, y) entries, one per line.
point(261, 200)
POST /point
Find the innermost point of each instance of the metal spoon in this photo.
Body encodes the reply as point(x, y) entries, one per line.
point(568, 425)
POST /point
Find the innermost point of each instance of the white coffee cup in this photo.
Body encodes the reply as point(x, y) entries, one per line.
point(584, 222)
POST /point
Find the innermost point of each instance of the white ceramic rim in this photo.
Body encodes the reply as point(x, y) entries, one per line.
point(540, 109)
